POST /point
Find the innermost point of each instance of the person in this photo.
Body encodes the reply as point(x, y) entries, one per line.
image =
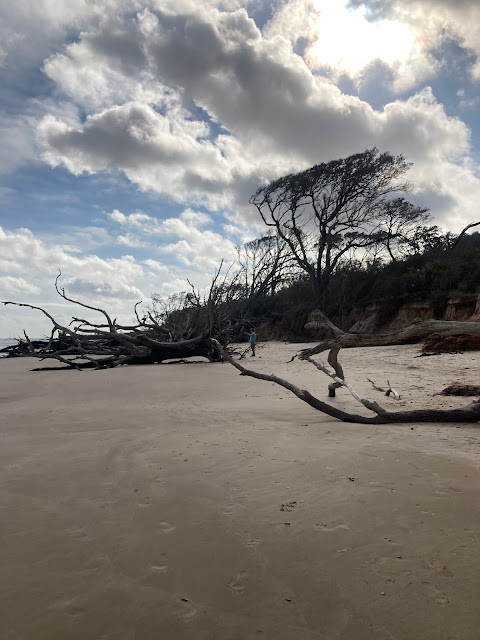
point(253, 340)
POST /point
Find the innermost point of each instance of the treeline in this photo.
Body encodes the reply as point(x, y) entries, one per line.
point(340, 236)
point(448, 266)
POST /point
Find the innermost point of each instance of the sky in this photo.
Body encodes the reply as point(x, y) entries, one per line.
point(133, 133)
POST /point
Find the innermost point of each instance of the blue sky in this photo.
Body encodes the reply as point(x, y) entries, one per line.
point(134, 132)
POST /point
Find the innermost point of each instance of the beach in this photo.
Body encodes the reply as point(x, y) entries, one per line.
point(187, 502)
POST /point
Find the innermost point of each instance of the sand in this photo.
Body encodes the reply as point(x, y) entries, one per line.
point(188, 502)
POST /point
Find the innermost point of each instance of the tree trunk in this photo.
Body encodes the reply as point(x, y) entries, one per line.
point(470, 413)
point(414, 333)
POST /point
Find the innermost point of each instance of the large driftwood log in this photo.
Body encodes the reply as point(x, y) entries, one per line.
point(470, 413)
point(460, 389)
point(416, 332)
point(436, 343)
point(85, 345)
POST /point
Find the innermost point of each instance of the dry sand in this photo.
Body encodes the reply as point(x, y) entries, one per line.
point(146, 503)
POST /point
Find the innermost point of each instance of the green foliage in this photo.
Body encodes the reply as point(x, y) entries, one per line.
point(443, 266)
point(443, 270)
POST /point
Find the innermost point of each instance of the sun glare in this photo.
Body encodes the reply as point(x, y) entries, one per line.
point(346, 41)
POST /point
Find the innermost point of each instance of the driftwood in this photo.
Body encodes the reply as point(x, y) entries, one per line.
point(388, 391)
point(414, 333)
point(436, 343)
point(85, 345)
point(459, 389)
point(470, 413)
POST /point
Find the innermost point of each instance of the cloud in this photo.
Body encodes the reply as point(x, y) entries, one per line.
point(17, 286)
point(194, 245)
point(430, 21)
point(338, 37)
point(151, 150)
point(102, 289)
point(40, 263)
point(112, 283)
point(276, 116)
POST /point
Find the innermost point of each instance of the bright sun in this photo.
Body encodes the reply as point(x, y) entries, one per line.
point(346, 41)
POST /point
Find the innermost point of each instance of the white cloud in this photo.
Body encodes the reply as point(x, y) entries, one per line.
point(195, 218)
point(340, 38)
point(279, 116)
point(142, 143)
point(112, 283)
point(18, 286)
point(155, 266)
point(194, 245)
point(430, 21)
point(40, 263)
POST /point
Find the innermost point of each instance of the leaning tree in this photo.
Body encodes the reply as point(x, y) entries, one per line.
point(338, 207)
point(334, 208)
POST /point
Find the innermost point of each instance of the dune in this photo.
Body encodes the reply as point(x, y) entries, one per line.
point(186, 502)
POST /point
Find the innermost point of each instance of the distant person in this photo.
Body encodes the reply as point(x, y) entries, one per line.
point(253, 340)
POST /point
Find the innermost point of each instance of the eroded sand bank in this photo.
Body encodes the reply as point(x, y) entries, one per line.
point(146, 503)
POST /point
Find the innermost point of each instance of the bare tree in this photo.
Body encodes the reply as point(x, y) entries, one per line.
point(327, 211)
point(153, 337)
point(402, 229)
point(265, 265)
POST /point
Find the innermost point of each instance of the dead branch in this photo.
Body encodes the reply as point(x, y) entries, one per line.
point(61, 293)
point(381, 389)
point(463, 232)
point(413, 333)
point(388, 391)
point(470, 413)
point(392, 391)
point(339, 382)
point(86, 344)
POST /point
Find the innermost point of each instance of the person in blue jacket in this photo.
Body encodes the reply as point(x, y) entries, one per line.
point(253, 340)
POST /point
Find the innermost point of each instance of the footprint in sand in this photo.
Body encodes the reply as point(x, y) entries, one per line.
point(186, 610)
point(254, 542)
point(237, 586)
point(78, 532)
point(442, 599)
point(167, 527)
point(391, 541)
point(329, 529)
point(159, 568)
point(288, 506)
point(440, 567)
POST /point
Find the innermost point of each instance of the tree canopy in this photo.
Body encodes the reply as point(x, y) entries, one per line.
point(327, 212)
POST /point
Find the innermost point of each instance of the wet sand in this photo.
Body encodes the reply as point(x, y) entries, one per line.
point(186, 502)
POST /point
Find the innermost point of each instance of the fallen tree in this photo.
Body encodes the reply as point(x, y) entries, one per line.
point(470, 413)
point(84, 344)
point(458, 342)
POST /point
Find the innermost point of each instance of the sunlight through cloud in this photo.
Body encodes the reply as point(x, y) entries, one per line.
point(347, 42)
